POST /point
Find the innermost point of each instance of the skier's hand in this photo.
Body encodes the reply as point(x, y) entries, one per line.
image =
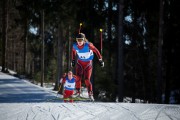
point(101, 62)
point(73, 63)
point(64, 75)
point(61, 80)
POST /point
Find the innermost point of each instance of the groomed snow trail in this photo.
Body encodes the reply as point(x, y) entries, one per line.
point(21, 100)
point(88, 111)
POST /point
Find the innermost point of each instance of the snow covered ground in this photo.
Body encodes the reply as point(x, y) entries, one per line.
point(21, 100)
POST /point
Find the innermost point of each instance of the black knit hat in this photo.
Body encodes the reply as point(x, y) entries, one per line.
point(80, 36)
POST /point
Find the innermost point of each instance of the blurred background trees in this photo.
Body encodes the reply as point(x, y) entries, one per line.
point(142, 58)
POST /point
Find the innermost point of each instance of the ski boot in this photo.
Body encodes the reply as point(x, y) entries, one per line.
point(76, 94)
point(91, 96)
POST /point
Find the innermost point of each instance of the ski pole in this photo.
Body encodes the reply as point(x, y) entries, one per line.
point(59, 89)
point(101, 39)
point(80, 27)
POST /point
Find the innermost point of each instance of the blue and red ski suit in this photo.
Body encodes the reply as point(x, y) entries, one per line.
point(84, 62)
point(69, 87)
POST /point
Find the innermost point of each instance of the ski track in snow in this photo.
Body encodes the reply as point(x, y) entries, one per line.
point(88, 111)
point(21, 100)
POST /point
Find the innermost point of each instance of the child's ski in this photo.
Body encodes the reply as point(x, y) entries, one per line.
point(81, 98)
point(75, 99)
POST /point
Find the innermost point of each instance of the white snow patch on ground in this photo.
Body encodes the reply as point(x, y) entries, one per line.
point(22, 100)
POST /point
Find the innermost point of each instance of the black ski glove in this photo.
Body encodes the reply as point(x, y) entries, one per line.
point(101, 63)
point(73, 63)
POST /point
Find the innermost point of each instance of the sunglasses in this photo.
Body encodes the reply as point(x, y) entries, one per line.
point(79, 39)
point(69, 73)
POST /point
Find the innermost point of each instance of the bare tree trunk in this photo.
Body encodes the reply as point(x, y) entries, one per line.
point(25, 44)
point(109, 32)
point(4, 33)
point(42, 48)
point(159, 67)
point(109, 37)
point(120, 76)
point(69, 48)
point(59, 56)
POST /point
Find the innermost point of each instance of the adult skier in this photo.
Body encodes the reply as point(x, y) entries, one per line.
point(84, 50)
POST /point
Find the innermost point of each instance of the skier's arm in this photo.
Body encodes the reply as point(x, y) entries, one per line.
point(73, 54)
point(63, 79)
point(95, 50)
point(73, 57)
point(76, 77)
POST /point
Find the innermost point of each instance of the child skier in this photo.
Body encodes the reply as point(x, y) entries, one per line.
point(69, 85)
point(84, 50)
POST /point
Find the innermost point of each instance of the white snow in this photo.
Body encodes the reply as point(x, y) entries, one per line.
point(22, 100)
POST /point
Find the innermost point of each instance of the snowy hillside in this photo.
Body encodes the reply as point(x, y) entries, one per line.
point(21, 100)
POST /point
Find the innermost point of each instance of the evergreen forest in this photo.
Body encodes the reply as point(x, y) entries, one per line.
point(139, 43)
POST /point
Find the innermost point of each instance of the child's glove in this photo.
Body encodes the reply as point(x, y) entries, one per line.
point(73, 63)
point(101, 63)
point(61, 80)
point(64, 75)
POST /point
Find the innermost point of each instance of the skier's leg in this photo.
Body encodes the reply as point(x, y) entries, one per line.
point(88, 83)
point(65, 95)
point(70, 94)
point(79, 72)
point(87, 80)
point(71, 101)
point(87, 73)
